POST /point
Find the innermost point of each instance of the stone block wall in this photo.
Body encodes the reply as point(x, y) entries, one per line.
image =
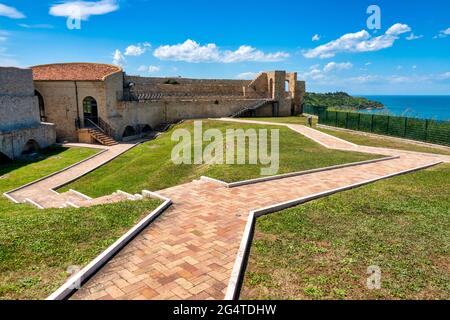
point(195, 87)
point(12, 143)
point(18, 104)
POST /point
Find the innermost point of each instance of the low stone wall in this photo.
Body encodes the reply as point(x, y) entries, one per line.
point(152, 113)
point(192, 86)
point(12, 143)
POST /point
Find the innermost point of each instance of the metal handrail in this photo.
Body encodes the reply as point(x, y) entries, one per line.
point(95, 125)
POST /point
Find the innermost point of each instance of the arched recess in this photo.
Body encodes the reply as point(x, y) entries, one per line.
point(41, 105)
point(90, 111)
point(147, 129)
point(128, 132)
point(4, 158)
point(30, 147)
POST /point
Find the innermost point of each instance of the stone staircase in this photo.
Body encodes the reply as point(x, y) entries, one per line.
point(102, 138)
point(248, 110)
point(76, 199)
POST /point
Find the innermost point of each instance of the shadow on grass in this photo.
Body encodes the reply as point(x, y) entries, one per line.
point(7, 165)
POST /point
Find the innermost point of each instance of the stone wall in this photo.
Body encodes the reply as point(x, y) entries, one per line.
point(196, 87)
point(134, 113)
point(12, 143)
point(18, 105)
point(19, 113)
point(63, 102)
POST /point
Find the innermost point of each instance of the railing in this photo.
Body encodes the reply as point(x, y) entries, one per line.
point(431, 131)
point(107, 129)
point(257, 105)
point(314, 110)
point(102, 126)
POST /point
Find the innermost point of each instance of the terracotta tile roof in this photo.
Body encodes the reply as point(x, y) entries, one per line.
point(73, 71)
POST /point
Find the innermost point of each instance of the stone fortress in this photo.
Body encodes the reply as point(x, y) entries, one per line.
point(100, 103)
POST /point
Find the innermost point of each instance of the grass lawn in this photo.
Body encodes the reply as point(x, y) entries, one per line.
point(149, 165)
point(356, 138)
point(387, 142)
point(321, 250)
point(37, 246)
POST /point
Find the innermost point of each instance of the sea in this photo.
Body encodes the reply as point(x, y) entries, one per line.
point(425, 107)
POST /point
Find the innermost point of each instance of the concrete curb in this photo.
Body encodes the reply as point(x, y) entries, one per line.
point(237, 275)
point(7, 193)
point(293, 174)
point(74, 283)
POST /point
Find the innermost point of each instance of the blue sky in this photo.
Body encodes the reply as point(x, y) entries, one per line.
point(327, 42)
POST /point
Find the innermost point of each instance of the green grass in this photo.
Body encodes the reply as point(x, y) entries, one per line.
point(364, 140)
point(384, 142)
point(149, 165)
point(322, 249)
point(37, 246)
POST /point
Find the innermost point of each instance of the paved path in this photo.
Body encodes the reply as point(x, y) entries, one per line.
point(189, 252)
point(41, 193)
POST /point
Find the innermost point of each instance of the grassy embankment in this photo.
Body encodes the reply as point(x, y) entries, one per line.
point(321, 250)
point(149, 166)
point(37, 246)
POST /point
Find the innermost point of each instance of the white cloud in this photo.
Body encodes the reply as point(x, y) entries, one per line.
point(191, 51)
point(149, 69)
point(118, 58)
point(10, 12)
point(444, 76)
point(317, 73)
point(36, 26)
point(83, 9)
point(337, 66)
point(360, 41)
point(137, 50)
point(315, 37)
point(443, 33)
point(412, 36)
point(368, 63)
point(246, 75)
point(414, 67)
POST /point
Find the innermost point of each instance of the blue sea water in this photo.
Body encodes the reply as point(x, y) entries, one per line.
point(425, 107)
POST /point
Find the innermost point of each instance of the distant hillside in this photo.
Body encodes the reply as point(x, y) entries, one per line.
point(340, 100)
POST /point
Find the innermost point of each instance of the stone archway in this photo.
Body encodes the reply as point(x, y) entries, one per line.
point(30, 147)
point(128, 132)
point(90, 112)
point(41, 106)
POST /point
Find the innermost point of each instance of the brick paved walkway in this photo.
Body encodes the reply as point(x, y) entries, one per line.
point(41, 192)
point(189, 252)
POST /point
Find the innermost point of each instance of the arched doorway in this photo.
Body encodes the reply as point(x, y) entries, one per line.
point(90, 112)
point(128, 132)
point(41, 106)
point(30, 147)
